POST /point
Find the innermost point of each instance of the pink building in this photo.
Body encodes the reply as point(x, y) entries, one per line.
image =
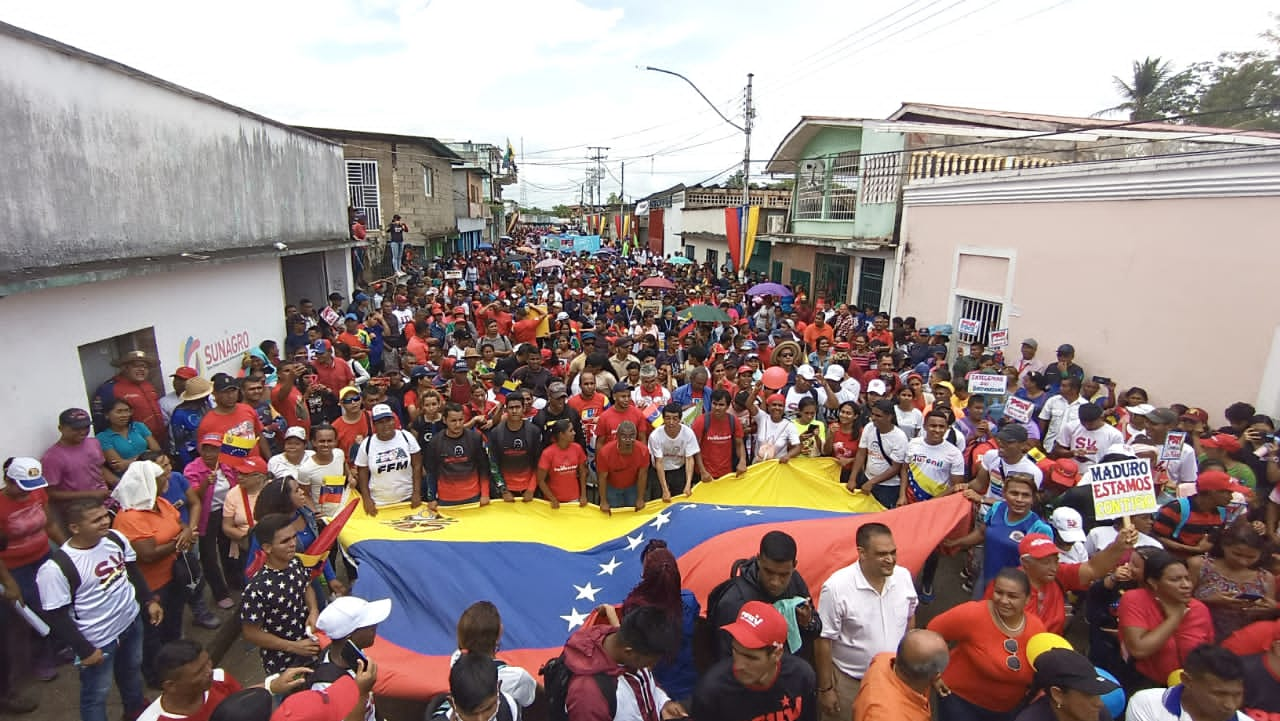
point(1162, 272)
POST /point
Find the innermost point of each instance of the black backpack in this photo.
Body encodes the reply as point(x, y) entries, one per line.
point(68, 568)
point(556, 676)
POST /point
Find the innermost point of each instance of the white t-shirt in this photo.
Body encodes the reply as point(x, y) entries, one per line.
point(1103, 536)
point(106, 602)
point(911, 422)
point(643, 400)
point(861, 622)
point(931, 467)
point(774, 439)
point(391, 470)
point(672, 451)
point(279, 466)
point(895, 446)
point(1075, 437)
point(516, 682)
point(794, 397)
point(998, 469)
point(850, 390)
point(1057, 410)
point(327, 480)
point(1148, 705)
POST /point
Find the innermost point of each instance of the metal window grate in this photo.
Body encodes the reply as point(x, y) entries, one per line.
point(811, 183)
point(843, 189)
point(880, 174)
point(362, 189)
point(986, 312)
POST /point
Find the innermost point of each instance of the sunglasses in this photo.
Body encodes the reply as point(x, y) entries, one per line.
point(351, 399)
point(1011, 648)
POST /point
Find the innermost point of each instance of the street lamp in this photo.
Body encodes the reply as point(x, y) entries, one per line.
point(745, 129)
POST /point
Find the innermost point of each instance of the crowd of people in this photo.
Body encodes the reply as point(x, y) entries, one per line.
point(617, 380)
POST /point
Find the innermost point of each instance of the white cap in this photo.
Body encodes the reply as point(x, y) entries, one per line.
point(562, 316)
point(1069, 524)
point(1141, 409)
point(347, 614)
point(806, 372)
point(296, 432)
point(877, 386)
point(27, 473)
point(1120, 449)
point(381, 411)
point(834, 372)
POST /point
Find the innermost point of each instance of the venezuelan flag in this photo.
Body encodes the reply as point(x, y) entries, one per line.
point(546, 570)
point(238, 446)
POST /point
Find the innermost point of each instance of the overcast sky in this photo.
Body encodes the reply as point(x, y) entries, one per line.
point(555, 76)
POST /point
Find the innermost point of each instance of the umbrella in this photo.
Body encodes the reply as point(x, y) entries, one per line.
point(527, 249)
point(504, 237)
point(606, 251)
point(776, 290)
point(657, 282)
point(548, 263)
point(680, 260)
point(512, 258)
point(704, 313)
point(484, 246)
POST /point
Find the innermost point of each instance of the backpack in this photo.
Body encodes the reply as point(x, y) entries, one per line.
point(717, 593)
point(68, 567)
point(1184, 515)
point(556, 676)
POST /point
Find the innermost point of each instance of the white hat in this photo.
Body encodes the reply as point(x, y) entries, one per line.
point(834, 372)
point(381, 411)
point(296, 432)
point(1141, 409)
point(27, 473)
point(877, 386)
point(806, 372)
point(1120, 449)
point(562, 316)
point(346, 614)
point(1069, 524)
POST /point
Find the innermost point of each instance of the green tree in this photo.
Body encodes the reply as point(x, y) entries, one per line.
point(1152, 90)
point(561, 211)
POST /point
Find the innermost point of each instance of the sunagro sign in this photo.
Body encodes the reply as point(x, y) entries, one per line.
point(208, 356)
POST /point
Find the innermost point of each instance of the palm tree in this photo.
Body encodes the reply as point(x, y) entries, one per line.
point(1147, 92)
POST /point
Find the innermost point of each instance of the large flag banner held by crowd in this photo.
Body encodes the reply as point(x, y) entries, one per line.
point(546, 570)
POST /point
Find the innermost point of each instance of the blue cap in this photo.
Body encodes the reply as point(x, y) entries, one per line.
point(352, 316)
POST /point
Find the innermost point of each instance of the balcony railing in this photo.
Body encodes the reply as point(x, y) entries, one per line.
point(933, 164)
point(762, 198)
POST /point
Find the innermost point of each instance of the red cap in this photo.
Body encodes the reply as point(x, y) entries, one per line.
point(1220, 481)
point(759, 625)
point(331, 704)
point(1222, 441)
point(546, 353)
point(211, 439)
point(842, 345)
point(1196, 414)
point(745, 369)
point(1037, 545)
point(1064, 472)
point(186, 373)
point(459, 311)
point(402, 299)
point(717, 348)
point(251, 464)
point(775, 398)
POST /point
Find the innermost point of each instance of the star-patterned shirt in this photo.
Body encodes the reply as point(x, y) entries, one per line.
point(276, 601)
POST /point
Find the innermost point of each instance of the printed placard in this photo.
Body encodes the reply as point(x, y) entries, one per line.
point(983, 384)
point(330, 316)
point(1122, 488)
point(1018, 409)
point(1172, 449)
point(970, 326)
point(998, 338)
point(453, 275)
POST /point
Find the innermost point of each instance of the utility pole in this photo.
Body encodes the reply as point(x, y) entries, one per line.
point(747, 116)
point(622, 201)
point(599, 156)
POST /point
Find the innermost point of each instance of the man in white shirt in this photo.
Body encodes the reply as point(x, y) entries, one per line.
point(1059, 409)
point(388, 464)
point(1212, 689)
point(673, 451)
point(804, 387)
point(840, 385)
point(1028, 364)
point(882, 450)
point(1150, 443)
point(866, 608)
point(1087, 438)
point(91, 590)
point(1009, 456)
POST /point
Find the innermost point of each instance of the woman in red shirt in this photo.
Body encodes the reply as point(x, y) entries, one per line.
point(988, 674)
point(1160, 623)
point(26, 526)
point(842, 438)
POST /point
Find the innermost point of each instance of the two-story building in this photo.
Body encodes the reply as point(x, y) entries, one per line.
point(137, 215)
point(841, 240)
point(406, 175)
point(499, 172)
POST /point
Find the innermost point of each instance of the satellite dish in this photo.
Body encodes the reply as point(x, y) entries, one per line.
point(811, 172)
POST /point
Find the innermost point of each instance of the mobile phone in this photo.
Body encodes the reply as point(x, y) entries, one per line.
point(1249, 597)
point(1101, 380)
point(352, 656)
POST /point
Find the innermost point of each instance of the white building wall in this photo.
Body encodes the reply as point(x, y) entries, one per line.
point(205, 317)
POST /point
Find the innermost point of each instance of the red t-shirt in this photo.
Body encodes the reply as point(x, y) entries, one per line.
point(335, 376)
point(22, 523)
point(978, 671)
point(612, 417)
point(1254, 638)
point(623, 470)
point(223, 686)
point(1049, 602)
point(526, 331)
point(716, 443)
point(561, 465)
point(1139, 608)
point(589, 411)
point(352, 432)
point(292, 407)
point(241, 422)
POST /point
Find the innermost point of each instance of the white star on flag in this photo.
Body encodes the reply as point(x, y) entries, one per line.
point(750, 512)
point(608, 568)
point(588, 592)
point(633, 543)
point(722, 508)
point(661, 519)
point(574, 618)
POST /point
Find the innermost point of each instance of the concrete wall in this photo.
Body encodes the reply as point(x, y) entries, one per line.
point(1169, 286)
point(188, 331)
point(104, 164)
point(401, 185)
point(877, 221)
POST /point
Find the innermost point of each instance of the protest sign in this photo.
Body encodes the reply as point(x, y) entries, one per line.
point(998, 338)
point(453, 275)
point(330, 316)
point(1172, 449)
point(970, 326)
point(650, 305)
point(983, 384)
point(1018, 409)
point(1122, 488)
